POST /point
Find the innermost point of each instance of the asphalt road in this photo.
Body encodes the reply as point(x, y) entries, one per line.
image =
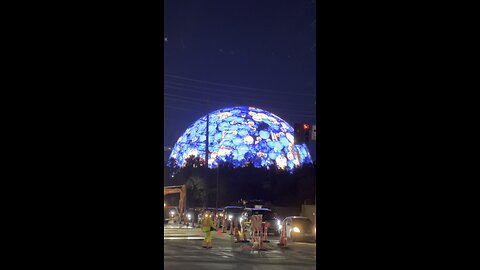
point(183, 250)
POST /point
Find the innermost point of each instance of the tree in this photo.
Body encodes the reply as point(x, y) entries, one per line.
point(197, 191)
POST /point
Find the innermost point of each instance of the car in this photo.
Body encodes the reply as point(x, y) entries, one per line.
point(299, 228)
point(171, 214)
point(267, 216)
point(191, 216)
point(213, 212)
point(229, 214)
point(219, 213)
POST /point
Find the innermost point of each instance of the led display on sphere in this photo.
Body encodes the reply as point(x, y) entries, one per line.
point(239, 135)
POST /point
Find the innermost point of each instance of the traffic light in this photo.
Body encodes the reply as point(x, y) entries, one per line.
point(301, 133)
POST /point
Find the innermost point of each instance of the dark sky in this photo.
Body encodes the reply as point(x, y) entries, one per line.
point(238, 53)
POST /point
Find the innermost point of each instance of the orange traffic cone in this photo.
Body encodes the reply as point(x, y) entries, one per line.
point(283, 237)
point(265, 240)
point(231, 227)
point(244, 234)
point(237, 236)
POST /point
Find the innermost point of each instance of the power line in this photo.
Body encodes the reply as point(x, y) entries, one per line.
point(229, 91)
point(217, 104)
point(229, 94)
point(176, 108)
point(221, 105)
point(203, 101)
point(186, 99)
point(237, 86)
point(245, 99)
point(282, 114)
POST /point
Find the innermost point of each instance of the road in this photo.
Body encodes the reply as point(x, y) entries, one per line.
point(183, 250)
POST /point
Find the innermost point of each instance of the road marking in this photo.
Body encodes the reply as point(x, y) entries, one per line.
point(183, 238)
point(304, 243)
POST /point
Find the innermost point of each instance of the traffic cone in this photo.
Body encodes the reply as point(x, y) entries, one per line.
point(243, 235)
point(283, 237)
point(237, 236)
point(265, 240)
point(231, 227)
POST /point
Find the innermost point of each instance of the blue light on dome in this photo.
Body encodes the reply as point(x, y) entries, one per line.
point(242, 134)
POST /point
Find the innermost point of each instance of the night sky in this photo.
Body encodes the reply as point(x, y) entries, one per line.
point(238, 53)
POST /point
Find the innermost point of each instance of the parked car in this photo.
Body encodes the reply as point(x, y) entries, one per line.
point(299, 229)
point(267, 216)
point(229, 214)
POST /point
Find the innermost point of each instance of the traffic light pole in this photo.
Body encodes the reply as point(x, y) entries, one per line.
point(301, 133)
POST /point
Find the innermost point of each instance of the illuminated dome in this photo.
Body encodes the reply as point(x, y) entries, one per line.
point(240, 135)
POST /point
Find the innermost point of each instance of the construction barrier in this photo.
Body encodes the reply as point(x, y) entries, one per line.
point(242, 234)
point(237, 235)
point(217, 222)
point(265, 233)
point(257, 236)
point(231, 226)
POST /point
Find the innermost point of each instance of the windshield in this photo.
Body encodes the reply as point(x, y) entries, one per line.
point(234, 210)
point(266, 215)
point(302, 222)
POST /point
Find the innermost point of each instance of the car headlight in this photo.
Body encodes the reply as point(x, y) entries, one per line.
point(279, 226)
point(230, 217)
point(221, 215)
point(171, 213)
point(278, 222)
point(189, 216)
point(296, 229)
point(241, 219)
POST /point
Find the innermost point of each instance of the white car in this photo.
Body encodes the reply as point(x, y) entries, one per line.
point(299, 229)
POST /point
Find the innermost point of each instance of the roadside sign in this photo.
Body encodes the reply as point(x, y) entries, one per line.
point(314, 133)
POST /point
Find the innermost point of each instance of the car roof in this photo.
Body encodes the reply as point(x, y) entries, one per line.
point(297, 217)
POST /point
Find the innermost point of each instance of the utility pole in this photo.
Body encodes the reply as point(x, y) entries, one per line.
point(206, 153)
point(216, 204)
point(206, 146)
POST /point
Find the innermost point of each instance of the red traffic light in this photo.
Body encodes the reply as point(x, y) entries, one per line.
point(305, 126)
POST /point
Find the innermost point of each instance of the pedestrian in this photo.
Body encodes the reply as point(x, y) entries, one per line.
point(207, 225)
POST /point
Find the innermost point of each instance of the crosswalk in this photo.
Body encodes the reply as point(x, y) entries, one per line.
point(182, 234)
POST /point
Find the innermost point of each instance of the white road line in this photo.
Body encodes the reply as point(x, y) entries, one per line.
point(183, 238)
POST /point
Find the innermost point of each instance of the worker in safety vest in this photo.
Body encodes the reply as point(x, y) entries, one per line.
point(207, 224)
